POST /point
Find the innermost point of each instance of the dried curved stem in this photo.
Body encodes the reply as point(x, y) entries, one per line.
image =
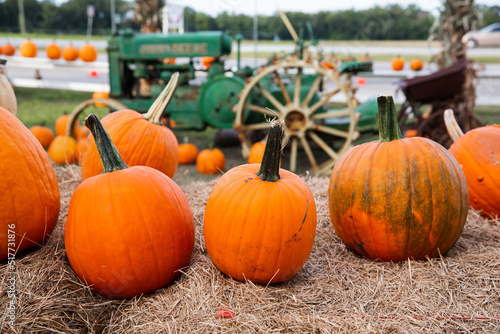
point(451, 125)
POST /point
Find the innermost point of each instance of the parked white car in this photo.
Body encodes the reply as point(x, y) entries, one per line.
point(487, 36)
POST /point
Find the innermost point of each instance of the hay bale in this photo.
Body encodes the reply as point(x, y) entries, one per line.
point(336, 291)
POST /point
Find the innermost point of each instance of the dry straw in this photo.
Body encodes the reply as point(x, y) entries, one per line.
point(335, 292)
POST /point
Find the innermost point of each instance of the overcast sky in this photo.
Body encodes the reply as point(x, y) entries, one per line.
point(267, 7)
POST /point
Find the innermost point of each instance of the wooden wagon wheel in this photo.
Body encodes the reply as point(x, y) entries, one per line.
point(303, 121)
point(105, 106)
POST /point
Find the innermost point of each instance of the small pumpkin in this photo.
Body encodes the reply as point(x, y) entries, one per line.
point(70, 53)
point(416, 64)
point(87, 53)
point(100, 95)
point(187, 152)
point(256, 152)
point(81, 145)
point(365, 58)
point(210, 161)
point(130, 229)
point(207, 61)
point(8, 98)
point(140, 138)
point(260, 220)
point(62, 124)
point(43, 134)
point(29, 193)
point(53, 51)
point(8, 49)
point(398, 198)
point(397, 63)
point(81, 132)
point(28, 49)
point(62, 150)
point(1, 50)
point(478, 152)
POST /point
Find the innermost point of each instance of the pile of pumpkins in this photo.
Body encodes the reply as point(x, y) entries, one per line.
point(392, 200)
point(28, 49)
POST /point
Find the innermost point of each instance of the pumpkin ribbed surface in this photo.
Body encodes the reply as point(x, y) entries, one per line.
point(478, 152)
point(139, 142)
point(29, 193)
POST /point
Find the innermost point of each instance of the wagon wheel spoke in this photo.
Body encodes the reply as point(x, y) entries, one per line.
point(324, 146)
point(334, 132)
point(263, 110)
point(282, 87)
point(312, 90)
point(258, 126)
point(309, 153)
point(331, 114)
point(324, 100)
point(293, 154)
point(270, 97)
point(298, 84)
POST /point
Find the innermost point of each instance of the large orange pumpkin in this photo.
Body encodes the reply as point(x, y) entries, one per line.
point(28, 49)
point(187, 152)
point(53, 51)
point(478, 152)
point(87, 53)
point(8, 49)
point(260, 220)
point(43, 134)
point(29, 193)
point(397, 63)
point(70, 53)
point(130, 229)
point(256, 153)
point(140, 139)
point(210, 161)
point(62, 150)
point(398, 198)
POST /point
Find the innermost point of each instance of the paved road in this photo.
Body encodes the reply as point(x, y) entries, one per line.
point(63, 75)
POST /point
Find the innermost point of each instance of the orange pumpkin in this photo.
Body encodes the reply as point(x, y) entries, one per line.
point(53, 51)
point(1, 50)
point(140, 139)
point(28, 49)
point(187, 152)
point(70, 53)
point(43, 134)
point(416, 65)
point(260, 220)
point(81, 132)
point(478, 152)
point(29, 195)
point(398, 198)
point(210, 161)
point(87, 53)
point(62, 150)
point(130, 229)
point(100, 95)
point(397, 63)
point(81, 144)
point(256, 153)
point(8, 49)
point(61, 125)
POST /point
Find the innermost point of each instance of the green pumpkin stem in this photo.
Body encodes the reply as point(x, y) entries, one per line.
point(387, 119)
point(270, 166)
point(110, 157)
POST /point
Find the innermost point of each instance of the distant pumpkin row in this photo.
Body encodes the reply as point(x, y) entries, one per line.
point(86, 53)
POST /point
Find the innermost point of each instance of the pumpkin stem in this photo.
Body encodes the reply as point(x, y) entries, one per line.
point(387, 119)
point(270, 166)
point(451, 125)
point(161, 103)
point(110, 157)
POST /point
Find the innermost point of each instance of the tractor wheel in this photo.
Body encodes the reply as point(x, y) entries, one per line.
point(104, 107)
point(277, 91)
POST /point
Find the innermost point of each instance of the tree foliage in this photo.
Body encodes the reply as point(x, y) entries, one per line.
point(392, 22)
